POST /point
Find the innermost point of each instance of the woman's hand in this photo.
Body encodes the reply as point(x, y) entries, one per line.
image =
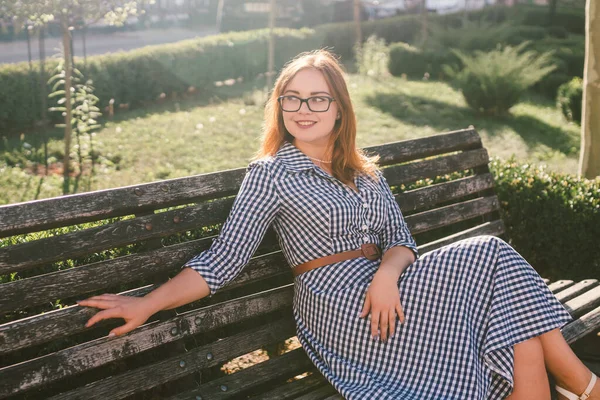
point(134, 310)
point(383, 300)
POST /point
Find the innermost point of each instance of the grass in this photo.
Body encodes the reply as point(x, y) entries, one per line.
point(189, 137)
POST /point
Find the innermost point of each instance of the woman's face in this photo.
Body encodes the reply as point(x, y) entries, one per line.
point(306, 125)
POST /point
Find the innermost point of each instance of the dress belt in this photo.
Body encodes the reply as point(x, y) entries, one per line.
point(369, 250)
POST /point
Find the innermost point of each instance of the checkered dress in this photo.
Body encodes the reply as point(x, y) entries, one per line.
point(466, 304)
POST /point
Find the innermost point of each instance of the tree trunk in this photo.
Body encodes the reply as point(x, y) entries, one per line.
point(271, 60)
point(357, 27)
point(66, 35)
point(220, 15)
point(43, 92)
point(589, 162)
point(552, 11)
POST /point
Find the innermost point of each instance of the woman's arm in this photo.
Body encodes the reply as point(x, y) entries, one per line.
point(184, 288)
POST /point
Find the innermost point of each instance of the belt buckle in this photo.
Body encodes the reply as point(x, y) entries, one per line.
point(370, 251)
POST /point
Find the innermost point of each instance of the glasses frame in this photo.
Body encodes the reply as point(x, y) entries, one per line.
point(280, 101)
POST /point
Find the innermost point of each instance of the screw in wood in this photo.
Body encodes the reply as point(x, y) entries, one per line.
point(138, 191)
point(177, 219)
point(223, 388)
point(209, 356)
point(164, 188)
point(198, 397)
point(197, 321)
point(182, 364)
point(174, 331)
point(148, 226)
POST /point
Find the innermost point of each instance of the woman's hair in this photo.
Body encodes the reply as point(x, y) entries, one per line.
point(347, 158)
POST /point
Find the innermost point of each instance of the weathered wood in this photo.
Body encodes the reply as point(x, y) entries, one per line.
point(92, 206)
point(334, 397)
point(582, 326)
point(232, 386)
point(415, 171)
point(576, 290)
point(110, 273)
point(45, 214)
point(495, 228)
point(79, 243)
point(319, 394)
point(584, 302)
point(557, 286)
point(50, 326)
point(444, 216)
point(432, 195)
point(147, 377)
point(413, 149)
point(83, 357)
point(292, 390)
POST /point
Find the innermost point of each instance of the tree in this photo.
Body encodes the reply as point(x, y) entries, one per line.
point(589, 162)
point(66, 13)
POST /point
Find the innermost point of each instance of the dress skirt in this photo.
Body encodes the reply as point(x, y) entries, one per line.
point(466, 305)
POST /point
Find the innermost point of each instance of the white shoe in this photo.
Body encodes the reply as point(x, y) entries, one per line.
point(573, 396)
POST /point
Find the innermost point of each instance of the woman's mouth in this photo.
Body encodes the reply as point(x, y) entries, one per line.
point(305, 124)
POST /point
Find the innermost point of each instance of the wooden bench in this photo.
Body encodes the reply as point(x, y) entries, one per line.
point(131, 239)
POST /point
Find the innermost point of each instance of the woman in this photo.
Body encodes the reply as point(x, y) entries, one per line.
point(476, 321)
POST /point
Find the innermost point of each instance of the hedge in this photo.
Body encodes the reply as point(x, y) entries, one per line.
point(141, 75)
point(552, 219)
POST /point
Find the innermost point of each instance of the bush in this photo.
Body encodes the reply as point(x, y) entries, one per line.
point(552, 219)
point(468, 37)
point(569, 99)
point(140, 76)
point(414, 62)
point(493, 82)
point(372, 57)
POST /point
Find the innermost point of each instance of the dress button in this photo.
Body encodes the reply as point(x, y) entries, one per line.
point(366, 239)
point(365, 205)
point(365, 228)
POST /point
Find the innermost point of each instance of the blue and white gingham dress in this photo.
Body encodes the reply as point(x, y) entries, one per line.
point(466, 304)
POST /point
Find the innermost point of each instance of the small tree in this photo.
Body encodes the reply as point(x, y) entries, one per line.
point(66, 12)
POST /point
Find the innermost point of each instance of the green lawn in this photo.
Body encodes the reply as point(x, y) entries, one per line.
point(191, 137)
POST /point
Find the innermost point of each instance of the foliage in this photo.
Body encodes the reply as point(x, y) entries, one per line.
point(416, 63)
point(84, 118)
point(493, 82)
point(372, 57)
point(470, 36)
point(569, 99)
point(552, 219)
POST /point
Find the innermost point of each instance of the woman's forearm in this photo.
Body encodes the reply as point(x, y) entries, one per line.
point(185, 287)
point(396, 260)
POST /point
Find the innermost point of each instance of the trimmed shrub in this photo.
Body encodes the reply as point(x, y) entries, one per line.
point(142, 75)
point(552, 219)
point(470, 36)
point(569, 99)
point(493, 82)
point(414, 62)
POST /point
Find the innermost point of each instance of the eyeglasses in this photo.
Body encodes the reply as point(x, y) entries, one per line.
point(315, 103)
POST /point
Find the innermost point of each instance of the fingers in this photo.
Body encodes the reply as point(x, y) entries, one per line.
point(105, 314)
point(400, 312)
point(123, 329)
point(392, 322)
point(366, 307)
point(384, 320)
point(374, 324)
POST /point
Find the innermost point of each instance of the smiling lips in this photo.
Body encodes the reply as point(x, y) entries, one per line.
point(306, 124)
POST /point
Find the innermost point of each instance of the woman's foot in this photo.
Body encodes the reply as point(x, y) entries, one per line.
point(593, 392)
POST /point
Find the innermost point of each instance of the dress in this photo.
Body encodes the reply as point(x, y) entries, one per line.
point(466, 304)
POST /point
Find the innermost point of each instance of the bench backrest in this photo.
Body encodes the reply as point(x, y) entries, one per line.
point(131, 239)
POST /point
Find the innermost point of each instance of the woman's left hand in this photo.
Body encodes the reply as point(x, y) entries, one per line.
point(383, 301)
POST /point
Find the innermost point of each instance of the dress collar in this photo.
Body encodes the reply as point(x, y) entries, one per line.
point(294, 159)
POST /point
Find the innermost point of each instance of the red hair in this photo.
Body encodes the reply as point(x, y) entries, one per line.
point(347, 159)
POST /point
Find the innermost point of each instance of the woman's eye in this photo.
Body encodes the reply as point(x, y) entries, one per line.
point(319, 99)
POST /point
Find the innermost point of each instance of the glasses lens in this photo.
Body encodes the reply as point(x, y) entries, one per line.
point(318, 103)
point(290, 103)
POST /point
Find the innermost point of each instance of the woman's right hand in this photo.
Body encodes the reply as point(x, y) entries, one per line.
point(134, 310)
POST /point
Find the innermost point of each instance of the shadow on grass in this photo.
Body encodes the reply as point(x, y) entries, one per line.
point(443, 116)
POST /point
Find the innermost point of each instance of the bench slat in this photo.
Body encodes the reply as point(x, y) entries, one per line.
point(432, 195)
point(44, 214)
point(292, 390)
point(583, 326)
point(431, 168)
point(440, 217)
point(150, 376)
point(83, 357)
point(44, 251)
point(584, 302)
point(286, 364)
point(557, 286)
point(494, 228)
point(576, 290)
point(80, 243)
point(321, 393)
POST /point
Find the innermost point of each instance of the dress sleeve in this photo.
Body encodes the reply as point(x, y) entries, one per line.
point(253, 210)
point(395, 231)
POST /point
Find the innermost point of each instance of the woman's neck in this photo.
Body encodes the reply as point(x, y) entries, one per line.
point(314, 152)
